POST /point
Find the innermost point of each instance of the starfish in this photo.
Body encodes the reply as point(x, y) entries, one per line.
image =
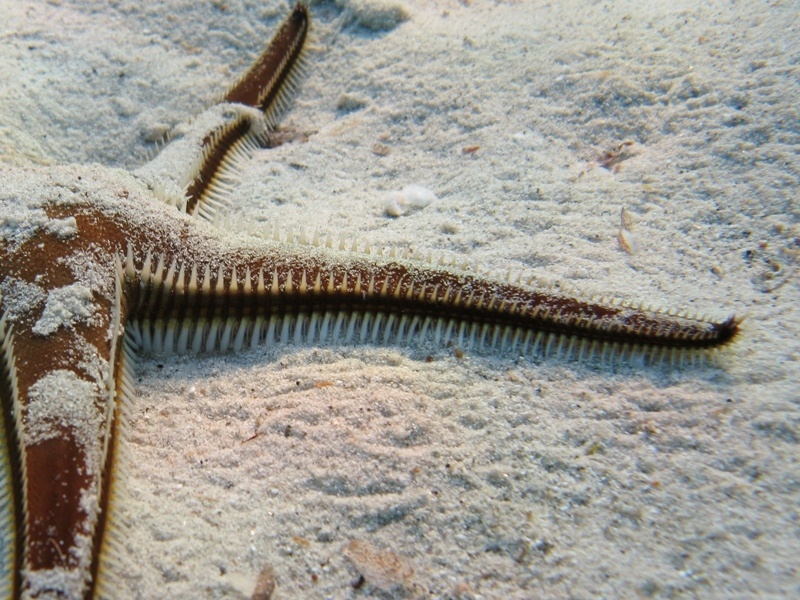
point(97, 265)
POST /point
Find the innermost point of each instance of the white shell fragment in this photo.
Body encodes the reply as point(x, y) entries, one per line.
point(410, 199)
point(628, 240)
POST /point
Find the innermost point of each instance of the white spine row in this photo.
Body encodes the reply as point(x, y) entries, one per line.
point(115, 535)
point(8, 518)
point(222, 185)
point(289, 87)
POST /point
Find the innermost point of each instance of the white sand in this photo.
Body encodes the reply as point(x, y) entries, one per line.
point(491, 477)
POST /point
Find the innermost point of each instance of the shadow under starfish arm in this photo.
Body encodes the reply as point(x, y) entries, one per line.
point(93, 268)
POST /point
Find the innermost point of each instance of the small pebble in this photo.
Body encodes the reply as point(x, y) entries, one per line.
point(382, 569)
point(375, 15)
point(265, 584)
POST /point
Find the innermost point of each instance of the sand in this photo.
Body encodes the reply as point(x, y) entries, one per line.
point(401, 473)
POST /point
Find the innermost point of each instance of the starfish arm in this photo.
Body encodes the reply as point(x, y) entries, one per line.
point(61, 328)
point(60, 389)
point(273, 75)
point(197, 171)
point(221, 296)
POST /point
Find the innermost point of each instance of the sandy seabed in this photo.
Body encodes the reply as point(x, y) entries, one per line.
point(466, 476)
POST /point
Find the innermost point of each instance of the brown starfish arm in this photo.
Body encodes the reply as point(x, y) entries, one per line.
point(195, 288)
point(307, 296)
point(272, 75)
point(203, 165)
point(265, 86)
point(229, 296)
point(57, 389)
